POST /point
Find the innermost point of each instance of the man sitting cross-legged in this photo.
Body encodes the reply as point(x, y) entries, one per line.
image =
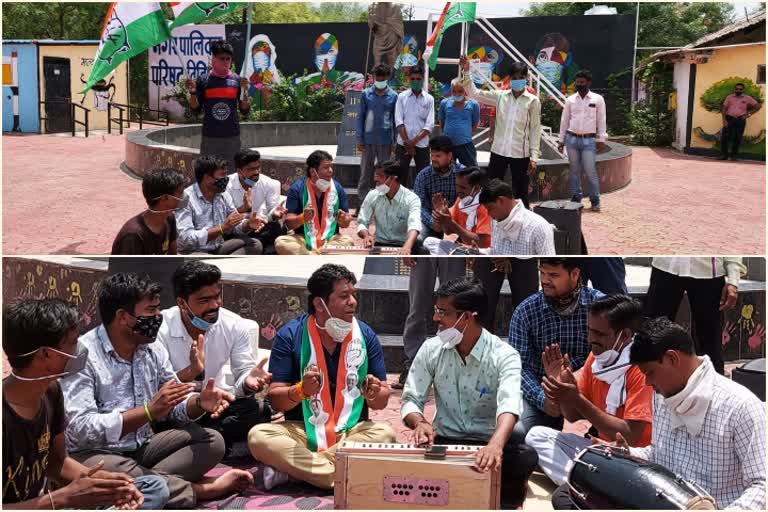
point(40, 340)
point(127, 384)
point(395, 209)
point(476, 381)
point(201, 337)
point(610, 393)
point(322, 364)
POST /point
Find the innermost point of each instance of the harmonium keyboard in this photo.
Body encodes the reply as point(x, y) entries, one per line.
point(406, 476)
point(351, 249)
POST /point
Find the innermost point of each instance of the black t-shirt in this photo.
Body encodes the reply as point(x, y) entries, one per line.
point(219, 99)
point(27, 445)
point(135, 237)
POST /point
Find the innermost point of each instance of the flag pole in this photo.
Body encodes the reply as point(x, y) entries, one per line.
point(247, 42)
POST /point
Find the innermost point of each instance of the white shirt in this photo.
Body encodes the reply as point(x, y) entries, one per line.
point(727, 458)
point(532, 236)
point(703, 268)
point(228, 340)
point(417, 113)
point(265, 194)
point(584, 115)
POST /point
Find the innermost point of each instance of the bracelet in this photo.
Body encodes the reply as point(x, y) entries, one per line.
point(299, 387)
point(221, 230)
point(302, 219)
point(146, 410)
point(50, 497)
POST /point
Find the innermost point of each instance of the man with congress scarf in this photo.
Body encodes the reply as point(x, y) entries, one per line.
point(327, 371)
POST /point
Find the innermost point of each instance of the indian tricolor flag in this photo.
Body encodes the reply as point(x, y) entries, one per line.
point(453, 13)
point(129, 29)
point(186, 13)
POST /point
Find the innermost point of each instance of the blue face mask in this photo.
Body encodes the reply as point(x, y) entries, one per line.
point(380, 84)
point(199, 322)
point(458, 99)
point(518, 85)
point(249, 182)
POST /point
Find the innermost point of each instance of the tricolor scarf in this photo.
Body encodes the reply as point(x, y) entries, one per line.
point(317, 232)
point(323, 418)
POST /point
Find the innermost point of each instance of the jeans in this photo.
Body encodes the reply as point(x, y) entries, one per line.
point(732, 135)
point(466, 154)
point(155, 492)
point(532, 416)
point(582, 154)
point(607, 274)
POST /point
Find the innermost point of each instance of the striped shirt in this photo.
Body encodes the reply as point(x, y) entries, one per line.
point(219, 100)
point(727, 458)
point(518, 121)
point(428, 183)
point(532, 235)
point(535, 325)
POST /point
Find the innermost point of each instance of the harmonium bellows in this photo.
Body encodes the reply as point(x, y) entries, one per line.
point(351, 249)
point(403, 476)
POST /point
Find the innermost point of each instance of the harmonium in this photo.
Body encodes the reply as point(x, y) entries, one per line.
point(352, 249)
point(405, 476)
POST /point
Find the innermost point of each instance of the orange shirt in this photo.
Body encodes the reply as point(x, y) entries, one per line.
point(638, 405)
point(482, 223)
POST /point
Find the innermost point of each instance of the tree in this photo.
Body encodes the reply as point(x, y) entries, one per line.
point(661, 24)
point(53, 20)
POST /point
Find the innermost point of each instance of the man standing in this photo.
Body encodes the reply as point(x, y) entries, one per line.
point(395, 209)
point(517, 134)
point(127, 385)
point(375, 126)
point(153, 231)
point(555, 314)
point(515, 230)
point(210, 223)
point(522, 274)
point(476, 382)
point(258, 195)
point(317, 208)
point(459, 117)
point(218, 95)
point(201, 337)
point(583, 134)
point(737, 108)
point(309, 356)
point(40, 340)
point(414, 120)
point(712, 286)
point(609, 392)
point(706, 428)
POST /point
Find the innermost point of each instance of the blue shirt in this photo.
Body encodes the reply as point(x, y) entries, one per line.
point(428, 183)
point(294, 201)
point(459, 121)
point(285, 360)
point(219, 100)
point(535, 325)
point(376, 117)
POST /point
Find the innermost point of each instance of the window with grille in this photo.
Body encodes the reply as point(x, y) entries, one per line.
point(760, 74)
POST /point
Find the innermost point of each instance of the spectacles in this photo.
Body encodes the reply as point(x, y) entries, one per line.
point(440, 313)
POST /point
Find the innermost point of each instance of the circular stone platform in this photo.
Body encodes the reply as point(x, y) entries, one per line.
point(284, 147)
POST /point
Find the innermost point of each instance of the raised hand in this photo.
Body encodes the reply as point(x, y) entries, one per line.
point(312, 380)
point(215, 400)
point(197, 355)
point(169, 396)
point(258, 377)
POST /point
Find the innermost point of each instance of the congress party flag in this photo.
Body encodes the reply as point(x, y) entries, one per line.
point(187, 13)
point(453, 13)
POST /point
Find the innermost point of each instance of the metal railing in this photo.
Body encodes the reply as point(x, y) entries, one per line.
point(72, 112)
point(125, 116)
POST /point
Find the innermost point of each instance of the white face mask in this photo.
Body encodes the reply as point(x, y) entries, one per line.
point(75, 364)
point(322, 185)
point(383, 188)
point(451, 336)
point(337, 328)
point(468, 200)
point(608, 357)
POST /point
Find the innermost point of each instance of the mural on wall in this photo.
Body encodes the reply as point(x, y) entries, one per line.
point(261, 68)
point(743, 335)
point(486, 64)
point(326, 55)
point(103, 91)
point(554, 59)
point(11, 80)
point(410, 54)
point(712, 101)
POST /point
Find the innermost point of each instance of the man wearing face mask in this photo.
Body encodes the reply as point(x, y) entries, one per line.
point(706, 428)
point(459, 117)
point(395, 209)
point(210, 223)
point(153, 231)
point(201, 337)
point(40, 340)
point(127, 385)
point(555, 314)
point(375, 126)
point(466, 218)
point(583, 134)
point(311, 357)
point(609, 392)
point(219, 94)
point(257, 194)
point(415, 120)
point(515, 230)
point(476, 381)
point(517, 133)
point(317, 208)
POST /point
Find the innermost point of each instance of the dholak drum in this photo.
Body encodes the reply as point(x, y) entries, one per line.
point(604, 478)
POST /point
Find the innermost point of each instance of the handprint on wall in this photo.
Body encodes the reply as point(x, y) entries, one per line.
point(74, 293)
point(53, 290)
point(746, 322)
point(728, 330)
point(756, 339)
point(269, 331)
